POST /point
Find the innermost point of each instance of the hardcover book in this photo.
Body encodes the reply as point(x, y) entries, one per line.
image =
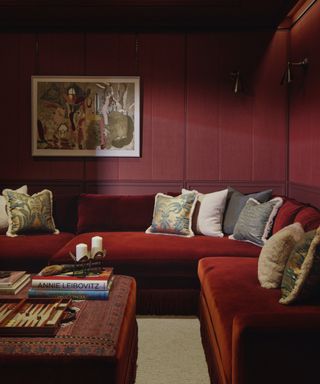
point(6, 282)
point(92, 282)
point(69, 294)
point(17, 286)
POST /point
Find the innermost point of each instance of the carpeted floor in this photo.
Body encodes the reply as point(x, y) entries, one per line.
point(170, 351)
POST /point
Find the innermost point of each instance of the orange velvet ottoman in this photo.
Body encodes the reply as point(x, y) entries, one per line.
point(99, 346)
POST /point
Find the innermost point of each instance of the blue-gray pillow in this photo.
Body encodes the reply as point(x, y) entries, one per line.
point(235, 205)
point(256, 220)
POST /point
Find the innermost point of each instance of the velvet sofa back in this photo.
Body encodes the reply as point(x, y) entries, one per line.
point(65, 212)
point(293, 211)
point(99, 213)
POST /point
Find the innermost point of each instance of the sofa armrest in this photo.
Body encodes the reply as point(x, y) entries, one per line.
point(276, 347)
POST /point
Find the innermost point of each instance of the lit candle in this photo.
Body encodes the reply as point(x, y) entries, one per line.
point(81, 251)
point(96, 245)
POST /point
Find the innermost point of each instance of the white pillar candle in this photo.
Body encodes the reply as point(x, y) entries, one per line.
point(96, 245)
point(96, 242)
point(81, 251)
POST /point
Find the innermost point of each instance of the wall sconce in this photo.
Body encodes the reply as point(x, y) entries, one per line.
point(237, 81)
point(288, 74)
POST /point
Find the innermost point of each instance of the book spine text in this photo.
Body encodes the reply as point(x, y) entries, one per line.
point(80, 285)
point(70, 294)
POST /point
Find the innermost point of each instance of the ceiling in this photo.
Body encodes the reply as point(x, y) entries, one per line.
point(143, 14)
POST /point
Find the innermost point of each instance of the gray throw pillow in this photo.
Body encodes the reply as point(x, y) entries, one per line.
point(236, 203)
point(255, 221)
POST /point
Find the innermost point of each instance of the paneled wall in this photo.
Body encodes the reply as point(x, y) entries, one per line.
point(195, 131)
point(304, 95)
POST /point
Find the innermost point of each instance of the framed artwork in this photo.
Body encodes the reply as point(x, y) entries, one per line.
point(86, 116)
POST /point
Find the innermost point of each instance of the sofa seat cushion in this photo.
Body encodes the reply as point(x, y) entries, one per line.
point(30, 252)
point(158, 261)
point(231, 289)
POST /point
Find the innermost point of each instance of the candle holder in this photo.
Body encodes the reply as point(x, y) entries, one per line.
point(91, 263)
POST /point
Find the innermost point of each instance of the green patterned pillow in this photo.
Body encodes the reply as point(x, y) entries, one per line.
point(29, 214)
point(172, 215)
point(301, 277)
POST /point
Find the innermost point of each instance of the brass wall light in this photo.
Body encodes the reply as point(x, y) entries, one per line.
point(237, 81)
point(287, 77)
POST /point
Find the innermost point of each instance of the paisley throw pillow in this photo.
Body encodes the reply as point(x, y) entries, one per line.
point(3, 214)
point(301, 277)
point(29, 214)
point(172, 215)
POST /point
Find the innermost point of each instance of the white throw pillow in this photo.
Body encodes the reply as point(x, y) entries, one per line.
point(208, 215)
point(275, 253)
point(4, 223)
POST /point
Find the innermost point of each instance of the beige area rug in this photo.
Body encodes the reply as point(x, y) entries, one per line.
point(170, 351)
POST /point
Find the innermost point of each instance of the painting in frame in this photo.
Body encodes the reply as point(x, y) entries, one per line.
point(86, 116)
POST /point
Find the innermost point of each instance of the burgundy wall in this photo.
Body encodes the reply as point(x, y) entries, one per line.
point(304, 163)
point(195, 131)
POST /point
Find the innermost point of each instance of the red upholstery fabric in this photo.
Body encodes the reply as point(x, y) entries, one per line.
point(114, 213)
point(65, 212)
point(158, 260)
point(30, 252)
point(309, 217)
point(286, 214)
point(236, 301)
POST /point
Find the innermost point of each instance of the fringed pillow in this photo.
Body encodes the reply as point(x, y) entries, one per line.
point(3, 214)
point(29, 214)
point(275, 253)
point(173, 215)
point(301, 277)
point(255, 221)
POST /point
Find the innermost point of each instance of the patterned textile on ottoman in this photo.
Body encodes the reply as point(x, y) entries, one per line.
point(101, 343)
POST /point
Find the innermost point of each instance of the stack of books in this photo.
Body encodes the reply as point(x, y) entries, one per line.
point(95, 286)
point(13, 282)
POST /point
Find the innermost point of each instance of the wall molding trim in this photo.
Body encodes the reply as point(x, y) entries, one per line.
point(64, 187)
point(305, 193)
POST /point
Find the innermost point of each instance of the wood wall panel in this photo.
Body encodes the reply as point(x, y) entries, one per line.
point(270, 131)
point(59, 54)
point(58, 188)
point(141, 168)
point(111, 54)
point(304, 143)
point(9, 105)
point(235, 110)
point(133, 188)
point(305, 193)
point(30, 168)
point(202, 126)
point(194, 130)
point(168, 104)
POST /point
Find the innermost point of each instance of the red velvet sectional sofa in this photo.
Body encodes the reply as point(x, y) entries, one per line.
point(165, 267)
point(247, 335)
point(245, 331)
